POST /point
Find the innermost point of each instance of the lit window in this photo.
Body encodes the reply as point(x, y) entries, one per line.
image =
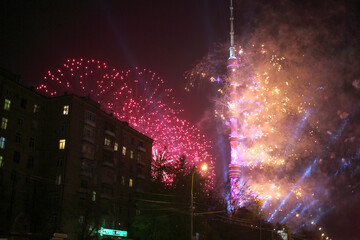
point(7, 104)
point(62, 143)
point(93, 196)
point(1, 161)
point(58, 180)
point(116, 146)
point(124, 150)
point(130, 182)
point(66, 110)
point(107, 142)
point(4, 123)
point(36, 108)
point(131, 154)
point(2, 142)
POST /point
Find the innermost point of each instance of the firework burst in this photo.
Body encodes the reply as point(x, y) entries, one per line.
point(138, 97)
point(287, 124)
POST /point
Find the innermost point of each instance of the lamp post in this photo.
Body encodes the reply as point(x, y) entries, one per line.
point(203, 168)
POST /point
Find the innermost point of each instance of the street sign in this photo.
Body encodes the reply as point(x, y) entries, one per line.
point(112, 232)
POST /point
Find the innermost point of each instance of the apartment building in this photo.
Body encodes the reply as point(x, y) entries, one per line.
point(66, 165)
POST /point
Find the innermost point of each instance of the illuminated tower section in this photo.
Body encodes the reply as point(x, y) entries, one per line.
point(235, 164)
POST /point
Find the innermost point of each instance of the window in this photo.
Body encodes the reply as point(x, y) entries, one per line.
point(7, 104)
point(107, 142)
point(23, 103)
point(36, 108)
point(90, 116)
point(35, 124)
point(124, 150)
point(4, 123)
point(81, 219)
point(130, 182)
point(16, 157)
point(30, 162)
point(58, 180)
point(1, 161)
point(93, 196)
point(2, 142)
point(62, 143)
point(122, 180)
point(59, 162)
point(20, 121)
point(88, 150)
point(139, 158)
point(107, 189)
point(66, 110)
point(63, 127)
point(131, 154)
point(32, 143)
point(133, 141)
point(89, 132)
point(13, 175)
point(84, 184)
point(116, 146)
point(18, 137)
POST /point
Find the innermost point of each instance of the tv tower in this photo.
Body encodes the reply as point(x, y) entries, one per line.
point(235, 137)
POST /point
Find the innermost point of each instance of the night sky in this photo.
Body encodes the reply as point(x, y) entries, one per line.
point(169, 37)
point(166, 36)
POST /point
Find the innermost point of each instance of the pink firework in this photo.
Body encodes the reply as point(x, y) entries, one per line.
point(138, 97)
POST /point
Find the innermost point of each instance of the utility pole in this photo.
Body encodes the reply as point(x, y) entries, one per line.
point(192, 204)
point(203, 168)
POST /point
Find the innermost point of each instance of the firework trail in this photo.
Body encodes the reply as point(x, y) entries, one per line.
point(297, 111)
point(137, 97)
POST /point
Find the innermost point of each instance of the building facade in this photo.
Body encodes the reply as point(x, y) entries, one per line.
point(66, 165)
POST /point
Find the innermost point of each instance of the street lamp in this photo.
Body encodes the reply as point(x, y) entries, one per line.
point(203, 168)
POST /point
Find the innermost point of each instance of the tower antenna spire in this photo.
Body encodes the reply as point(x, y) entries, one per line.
point(232, 49)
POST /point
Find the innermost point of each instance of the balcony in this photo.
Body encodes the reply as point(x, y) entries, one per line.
point(87, 155)
point(106, 196)
point(142, 149)
point(109, 148)
point(84, 190)
point(141, 163)
point(86, 173)
point(90, 122)
point(108, 164)
point(141, 176)
point(108, 177)
point(86, 138)
point(110, 132)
